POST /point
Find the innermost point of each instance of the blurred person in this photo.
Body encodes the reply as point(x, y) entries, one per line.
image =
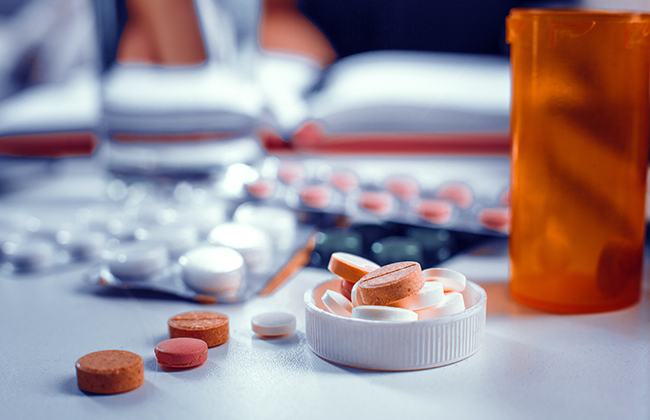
point(284, 28)
point(161, 32)
point(168, 32)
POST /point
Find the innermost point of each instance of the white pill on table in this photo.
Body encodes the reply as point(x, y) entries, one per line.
point(451, 280)
point(337, 303)
point(253, 243)
point(273, 324)
point(432, 293)
point(383, 313)
point(453, 303)
point(213, 269)
point(136, 260)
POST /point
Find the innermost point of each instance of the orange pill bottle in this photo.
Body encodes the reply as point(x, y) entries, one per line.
point(579, 128)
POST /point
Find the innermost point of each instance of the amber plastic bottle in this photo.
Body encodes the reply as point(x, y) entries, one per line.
point(579, 127)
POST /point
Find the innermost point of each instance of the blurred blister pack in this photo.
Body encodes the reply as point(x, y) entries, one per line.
point(193, 240)
point(458, 193)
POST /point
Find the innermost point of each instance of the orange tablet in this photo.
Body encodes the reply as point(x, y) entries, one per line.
point(391, 283)
point(350, 267)
point(211, 327)
point(110, 372)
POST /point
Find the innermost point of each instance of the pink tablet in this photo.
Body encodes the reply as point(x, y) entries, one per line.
point(344, 181)
point(403, 188)
point(435, 211)
point(181, 353)
point(316, 196)
point(457, 193)
point(496, 219)
point(377, 202)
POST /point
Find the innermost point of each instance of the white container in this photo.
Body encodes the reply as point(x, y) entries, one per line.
point(390, 346)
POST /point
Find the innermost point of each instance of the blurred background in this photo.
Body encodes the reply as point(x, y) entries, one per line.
point(66, 86)
point(384, 117)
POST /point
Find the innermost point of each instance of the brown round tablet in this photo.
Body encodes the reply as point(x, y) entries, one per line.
point(391, 283)
point(211, 327)
point(110, 372)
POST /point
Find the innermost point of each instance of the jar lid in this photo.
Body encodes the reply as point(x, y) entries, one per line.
point(390, 346)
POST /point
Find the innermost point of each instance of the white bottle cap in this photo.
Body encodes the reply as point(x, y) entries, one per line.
point(378, 345)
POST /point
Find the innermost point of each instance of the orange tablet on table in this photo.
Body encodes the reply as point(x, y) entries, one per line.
point(110, 372)
point(211, 327)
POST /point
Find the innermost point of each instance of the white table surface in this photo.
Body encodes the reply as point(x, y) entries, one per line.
point(532, 365)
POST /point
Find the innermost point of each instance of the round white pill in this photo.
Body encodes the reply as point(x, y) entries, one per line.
point(135, 260)
point(278, 222)
point(451, 280)
point(337, 303)
point(383, 313)
point(273, 324)
point(251, 242)
point(432, 293)
point(213, 270)
point(453, 303)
